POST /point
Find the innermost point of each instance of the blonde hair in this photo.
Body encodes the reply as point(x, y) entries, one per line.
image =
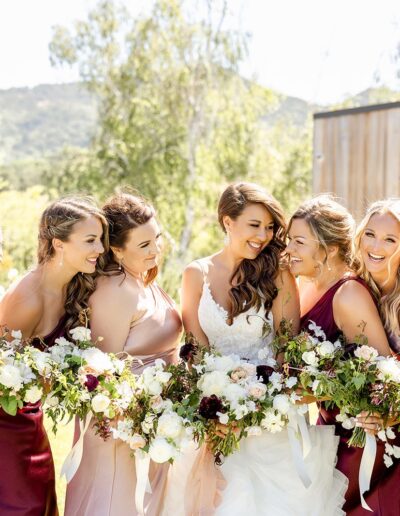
point(389, 306)
point(258, 275)
point(330, 222)
point(58, 221)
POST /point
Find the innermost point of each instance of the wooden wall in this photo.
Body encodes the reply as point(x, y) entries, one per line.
point(357, 154)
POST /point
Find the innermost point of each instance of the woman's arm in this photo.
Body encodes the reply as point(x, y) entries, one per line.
point(286, 305)
point(356, 315)
point(112, 307)
point(192, 287)
point(22, 311)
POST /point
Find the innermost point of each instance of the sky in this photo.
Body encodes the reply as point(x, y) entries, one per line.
point(318, 50)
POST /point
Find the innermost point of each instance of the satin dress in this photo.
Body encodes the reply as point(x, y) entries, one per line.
point(27, 478)
point(105, 482)
point(384, 496)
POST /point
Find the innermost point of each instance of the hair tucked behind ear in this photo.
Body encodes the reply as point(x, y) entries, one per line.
point(124, 212)
point(389, 306)
point(58, 221)
point(253, 282)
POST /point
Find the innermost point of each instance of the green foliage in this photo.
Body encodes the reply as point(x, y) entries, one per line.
point(19, 218)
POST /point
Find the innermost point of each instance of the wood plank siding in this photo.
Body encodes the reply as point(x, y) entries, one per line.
point(357, 154)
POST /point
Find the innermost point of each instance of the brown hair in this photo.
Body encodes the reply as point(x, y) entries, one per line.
point(331, 224)
point(58, 221)
point(253, 281)
point(389, 306)
point(124, 212)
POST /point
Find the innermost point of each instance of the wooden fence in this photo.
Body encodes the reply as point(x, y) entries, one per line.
point(357, 154)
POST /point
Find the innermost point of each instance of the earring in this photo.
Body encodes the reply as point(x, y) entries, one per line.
point(120, 264)
point(329, 267)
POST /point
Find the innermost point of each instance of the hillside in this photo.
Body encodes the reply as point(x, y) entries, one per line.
point(38, 122)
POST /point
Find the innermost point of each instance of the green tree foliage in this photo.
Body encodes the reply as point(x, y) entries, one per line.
point(176, 120)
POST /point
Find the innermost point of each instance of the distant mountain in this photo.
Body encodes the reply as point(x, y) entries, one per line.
point(40, 121)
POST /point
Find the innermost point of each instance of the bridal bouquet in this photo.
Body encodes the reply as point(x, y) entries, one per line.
point(154, 421)
point(310, 357)
point(84, 379)
point(19, 379)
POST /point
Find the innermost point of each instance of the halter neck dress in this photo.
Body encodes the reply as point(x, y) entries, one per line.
point(105, 482)
point(384, 495)
point(27, 479)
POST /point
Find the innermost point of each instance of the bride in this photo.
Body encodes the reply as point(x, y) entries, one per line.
point(227, 299)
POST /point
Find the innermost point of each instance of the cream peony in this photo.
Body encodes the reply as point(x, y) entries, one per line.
point(214, 382)
point(366, 353)
point(169, 425)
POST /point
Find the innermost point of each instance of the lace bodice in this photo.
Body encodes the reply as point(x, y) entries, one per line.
point(243, 337)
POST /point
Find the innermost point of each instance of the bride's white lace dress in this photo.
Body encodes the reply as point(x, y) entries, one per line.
point(261, 477)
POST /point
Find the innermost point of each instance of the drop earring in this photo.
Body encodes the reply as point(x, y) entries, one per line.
point(120, 264)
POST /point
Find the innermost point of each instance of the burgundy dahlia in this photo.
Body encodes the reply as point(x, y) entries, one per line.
point(187, 351)
point(91, 382)
point(209, 406)
point(264, 372)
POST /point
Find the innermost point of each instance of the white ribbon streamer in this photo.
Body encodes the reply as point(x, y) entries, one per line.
point(142, 464)
point(74, 457)
point(366, 467)
point(298, 451)
point(305, 434)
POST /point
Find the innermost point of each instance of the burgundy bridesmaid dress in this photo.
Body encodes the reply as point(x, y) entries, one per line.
point(384, 495)
point(27, 479)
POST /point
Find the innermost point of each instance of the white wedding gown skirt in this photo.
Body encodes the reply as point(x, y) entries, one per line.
point(261, 478)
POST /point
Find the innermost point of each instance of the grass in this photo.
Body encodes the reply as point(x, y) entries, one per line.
point(62, 443)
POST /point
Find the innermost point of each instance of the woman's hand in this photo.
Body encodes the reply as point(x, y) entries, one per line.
point(372, 423)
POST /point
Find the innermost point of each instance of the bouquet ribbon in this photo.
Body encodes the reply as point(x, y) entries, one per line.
point(297, 427)
point(142, 465)
point(366, 467)
point(74, 457)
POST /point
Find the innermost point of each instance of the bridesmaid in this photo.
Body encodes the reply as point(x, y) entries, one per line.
point(44, 304)
point(133, 315)
point(336, 299)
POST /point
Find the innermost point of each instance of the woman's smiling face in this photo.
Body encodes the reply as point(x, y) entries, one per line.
point(380, 246)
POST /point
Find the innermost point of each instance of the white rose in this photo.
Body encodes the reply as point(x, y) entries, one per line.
point(366, 353)
point(10, 377)
point(257, 390)
point(223, 418)
point(281, 403)
point(33, 394)
point(161, 451)
point(80, 333)
point(254, 431)
point(97, 360)
point(310, 358)
point(100, 403)
point(326, 349)
point(214, 382)
point(169, 425)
